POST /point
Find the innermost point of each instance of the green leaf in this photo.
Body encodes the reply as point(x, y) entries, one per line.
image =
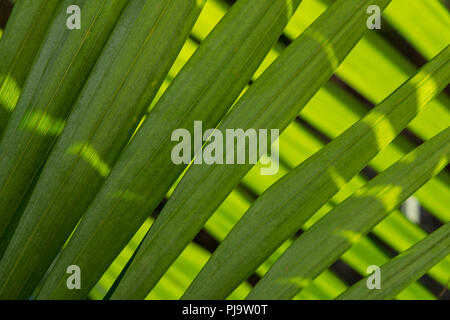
point(204, 90)
point(331, 236)
point(272, 101)
point(405, 268)
point(62, 66)
point(396, 231)
point(22, 38)
point(376, 66)
point(124, 81)
point(422, 23)
point(285, 207)
point(58, 74)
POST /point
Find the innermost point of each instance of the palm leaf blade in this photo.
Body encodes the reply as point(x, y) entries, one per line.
point(220, 68)
point(406, 267)
point(319, 178)
point(336, 232)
